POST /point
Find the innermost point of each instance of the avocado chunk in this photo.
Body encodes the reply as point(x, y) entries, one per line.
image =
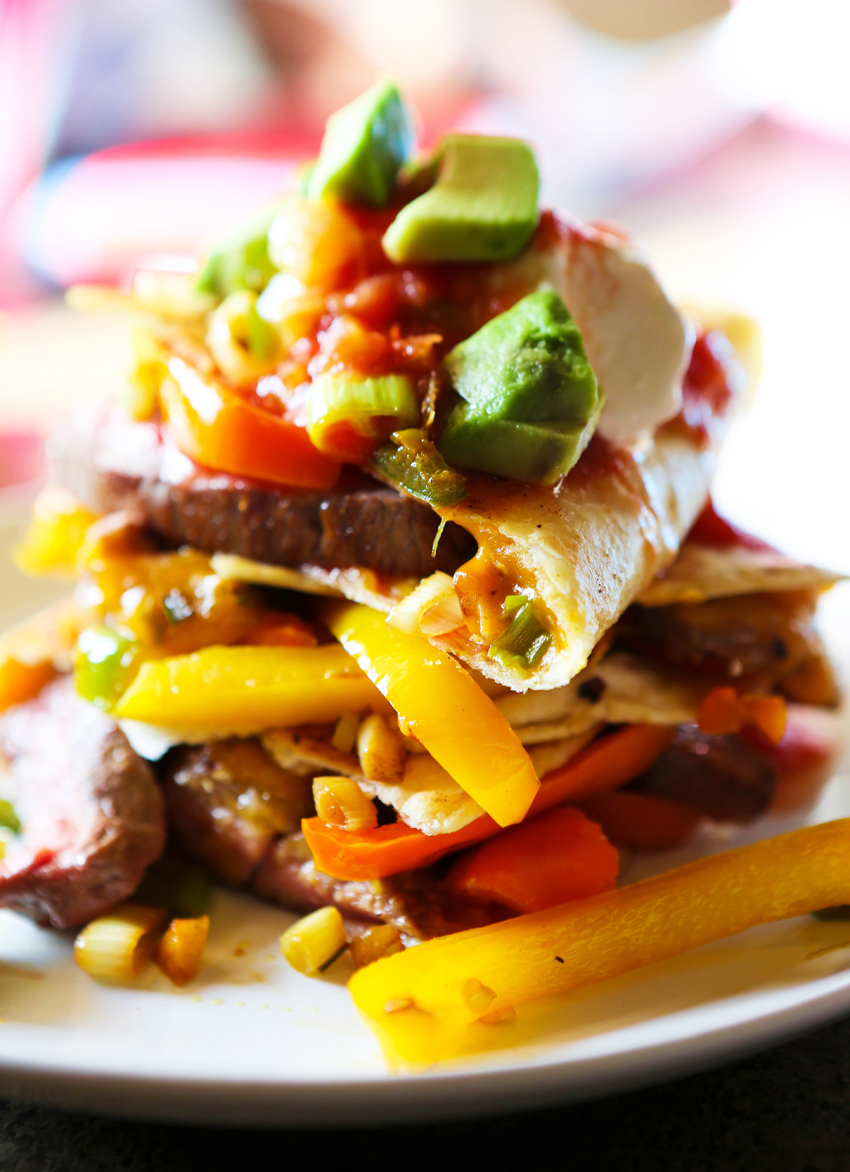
point(483, 205)
point(241, 259)
point(530, 401)
point(365, 145)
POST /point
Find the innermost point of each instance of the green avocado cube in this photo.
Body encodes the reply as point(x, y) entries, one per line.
point(530, 400)
point(241, 259)
point(364, 147)
point(483, 205)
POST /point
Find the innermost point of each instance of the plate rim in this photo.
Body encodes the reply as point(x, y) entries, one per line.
point(440, 1093)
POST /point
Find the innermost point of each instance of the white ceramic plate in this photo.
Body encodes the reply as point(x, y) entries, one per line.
point(252, 1042)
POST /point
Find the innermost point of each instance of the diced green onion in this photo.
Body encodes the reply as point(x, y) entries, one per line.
point(118, 946)
point(261, 338)
point(411, 462)
point(525, 641)
point(342, 398)
point(106, 662)
point(314, 942)
point(8, 817)
point(181, 887)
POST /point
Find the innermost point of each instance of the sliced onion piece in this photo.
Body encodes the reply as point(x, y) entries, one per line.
point(431, 609)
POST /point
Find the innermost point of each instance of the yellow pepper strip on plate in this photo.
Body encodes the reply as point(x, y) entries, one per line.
point(247, 689)
point(420, 1001)
point(444, 708)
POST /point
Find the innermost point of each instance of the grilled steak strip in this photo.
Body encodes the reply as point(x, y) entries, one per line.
point(722, 776)
point(109, 461)
point(232, 808)
point(91, 810)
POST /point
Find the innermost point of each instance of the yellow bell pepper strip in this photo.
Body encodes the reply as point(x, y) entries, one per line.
point(606, 764)
point(248, 689)
point(216, 427)
point(444, 708)
point(54, 535)
point(421, 1001)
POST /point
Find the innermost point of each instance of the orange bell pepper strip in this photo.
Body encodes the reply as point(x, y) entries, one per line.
point(443, 708)
point(421, 1001)
point(608, 763)
point(554, 858)
point(642, 822)
point(724, 711)
point(219, 429)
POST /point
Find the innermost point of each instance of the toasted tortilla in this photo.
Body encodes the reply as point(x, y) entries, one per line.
point(702, 572)
point(587, 548)
point(426, 797)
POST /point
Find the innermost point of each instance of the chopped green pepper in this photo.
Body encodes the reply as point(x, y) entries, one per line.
point(412, 463)
point(106, 662)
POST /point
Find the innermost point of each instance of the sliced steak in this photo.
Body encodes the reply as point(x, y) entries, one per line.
point(228, 802)
point(232, 808)
point(109, 461)
point(722, 776)
point(91, 810)
point(769, 635)
point(414, 901)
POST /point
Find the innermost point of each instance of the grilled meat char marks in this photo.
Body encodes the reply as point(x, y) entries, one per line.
point(91, 810)
point(109, 461)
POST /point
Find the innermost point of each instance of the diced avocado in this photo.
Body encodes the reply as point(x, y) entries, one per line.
point(365, 144)
point(241, 259)
point(483, 205)
point(530, 399)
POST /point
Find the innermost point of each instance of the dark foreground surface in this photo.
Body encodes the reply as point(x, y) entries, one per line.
point(787, 1109)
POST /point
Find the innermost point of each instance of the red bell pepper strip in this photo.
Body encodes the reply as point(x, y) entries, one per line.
point(642, 822)
point(556, 857)
point(607, 764)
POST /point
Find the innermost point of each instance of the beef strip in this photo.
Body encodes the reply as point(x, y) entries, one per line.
point(720, 775)
point(232, 808)
point(227, 804)
point(109, 462)
point(769, 636)
point(91, 811)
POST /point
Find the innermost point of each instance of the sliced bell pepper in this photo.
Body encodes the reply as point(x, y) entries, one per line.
point(554, 858)
point(421, 1001)
point(53, 536)
point(444, 708)
point(221, 430)
point(724, 711)
point(373, 854)
point(248, 689)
